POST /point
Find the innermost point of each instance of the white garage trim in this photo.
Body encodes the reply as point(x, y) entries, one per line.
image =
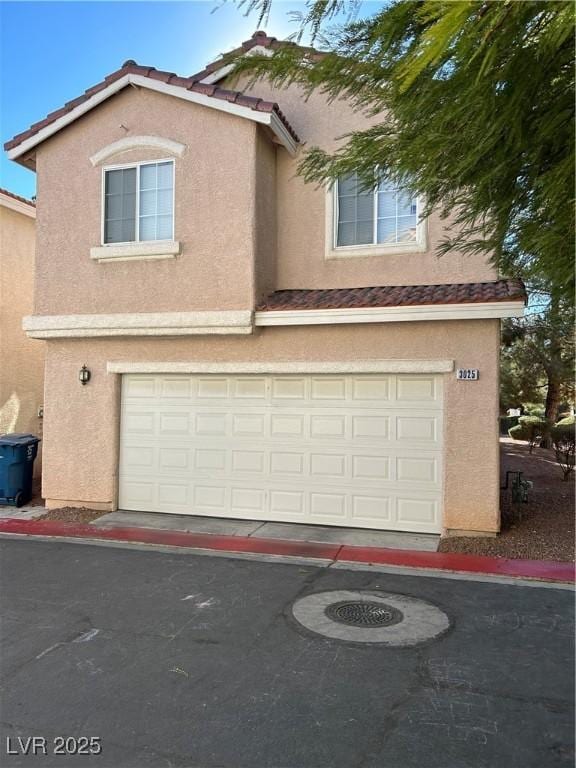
point(294, 366)
point(342, 449)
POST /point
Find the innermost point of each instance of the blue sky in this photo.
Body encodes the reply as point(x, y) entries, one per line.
point(50, 52)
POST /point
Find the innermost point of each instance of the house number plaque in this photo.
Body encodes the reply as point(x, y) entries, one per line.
point(468, 374)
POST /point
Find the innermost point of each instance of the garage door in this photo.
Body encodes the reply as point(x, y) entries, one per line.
point(363, 451)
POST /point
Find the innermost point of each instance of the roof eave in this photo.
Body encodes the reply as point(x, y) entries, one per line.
point(17, 203)
point(411, 312)
point(86, 106)
point(20, 152)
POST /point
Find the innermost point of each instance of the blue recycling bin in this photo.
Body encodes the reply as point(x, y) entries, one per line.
point(17, 454)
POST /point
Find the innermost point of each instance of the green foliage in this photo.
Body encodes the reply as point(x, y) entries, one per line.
point(479, 102)
point(532, 422)
point(517, 432)
point(564, 441)
point(530, 428)
point(537, 358)
point(506, 424)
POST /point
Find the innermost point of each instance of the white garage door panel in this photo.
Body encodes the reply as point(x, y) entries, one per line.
point(362, 451)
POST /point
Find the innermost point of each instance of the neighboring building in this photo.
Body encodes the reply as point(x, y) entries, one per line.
point(21, 358)
point(258, 348)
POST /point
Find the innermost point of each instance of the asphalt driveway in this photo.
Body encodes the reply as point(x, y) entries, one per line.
point(179, 659)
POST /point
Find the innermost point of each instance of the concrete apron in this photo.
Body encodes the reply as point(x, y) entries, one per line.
point(320, 534)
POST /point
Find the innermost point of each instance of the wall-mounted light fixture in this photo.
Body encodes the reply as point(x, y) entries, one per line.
point(84, 375)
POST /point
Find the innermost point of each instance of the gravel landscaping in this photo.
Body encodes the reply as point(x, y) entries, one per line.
point(543, 528)
point(72, 515)
point(65, 514)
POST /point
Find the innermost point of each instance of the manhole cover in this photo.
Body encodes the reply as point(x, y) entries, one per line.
point(370, 617)
point(362, 613)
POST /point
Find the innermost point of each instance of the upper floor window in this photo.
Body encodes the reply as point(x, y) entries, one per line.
point(139, 203)
point(381, 216)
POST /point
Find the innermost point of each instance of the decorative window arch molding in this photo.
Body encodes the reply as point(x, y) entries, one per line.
point(138, 142)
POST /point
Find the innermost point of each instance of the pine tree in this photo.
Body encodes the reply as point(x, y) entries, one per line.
point(537, 358)
point(478, 99)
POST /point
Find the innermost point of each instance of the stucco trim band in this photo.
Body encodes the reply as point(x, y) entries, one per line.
point(143, 324)
point(266, 118)
point(146, 251)
point(479, 311)
point(286, 367)
point(137, 142)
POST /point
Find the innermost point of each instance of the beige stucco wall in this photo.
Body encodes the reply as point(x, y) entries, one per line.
point(302, 212)
point(240, 207)
point(21, 358)
point(266, 216)
point(214, 211)
point(82, 423)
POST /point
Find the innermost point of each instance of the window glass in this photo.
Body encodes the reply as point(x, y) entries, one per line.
point(156, 201)
point(138, 203)
point(396, 214)
point(355, 213)
point(120, 206)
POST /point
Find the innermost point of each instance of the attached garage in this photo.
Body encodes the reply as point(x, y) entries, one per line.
point(356, 450)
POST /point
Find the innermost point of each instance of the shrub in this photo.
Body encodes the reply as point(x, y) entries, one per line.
point(530, 428)
point(506, 423)
point(564, 440)
point(517, 432)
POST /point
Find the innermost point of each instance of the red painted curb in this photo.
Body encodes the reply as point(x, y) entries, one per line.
point(58, 528)
point(546, 570)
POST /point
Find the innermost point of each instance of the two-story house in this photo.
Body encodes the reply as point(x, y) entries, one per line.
point(256, 347)
point(21, 358)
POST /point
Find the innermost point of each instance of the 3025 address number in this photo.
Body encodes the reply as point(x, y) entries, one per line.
point(468, 374)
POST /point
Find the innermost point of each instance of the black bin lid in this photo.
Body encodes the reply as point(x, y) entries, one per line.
point(18, 438)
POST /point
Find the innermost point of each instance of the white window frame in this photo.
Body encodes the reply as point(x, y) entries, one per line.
point(334, 251)
point(138, 165)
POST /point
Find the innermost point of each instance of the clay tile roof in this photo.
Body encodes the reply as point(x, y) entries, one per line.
point(190, 83)
point(394, 296)
point(267, 106)
point(225, 95)
point(158, 74)
point(17, 197)
point(259, 39)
